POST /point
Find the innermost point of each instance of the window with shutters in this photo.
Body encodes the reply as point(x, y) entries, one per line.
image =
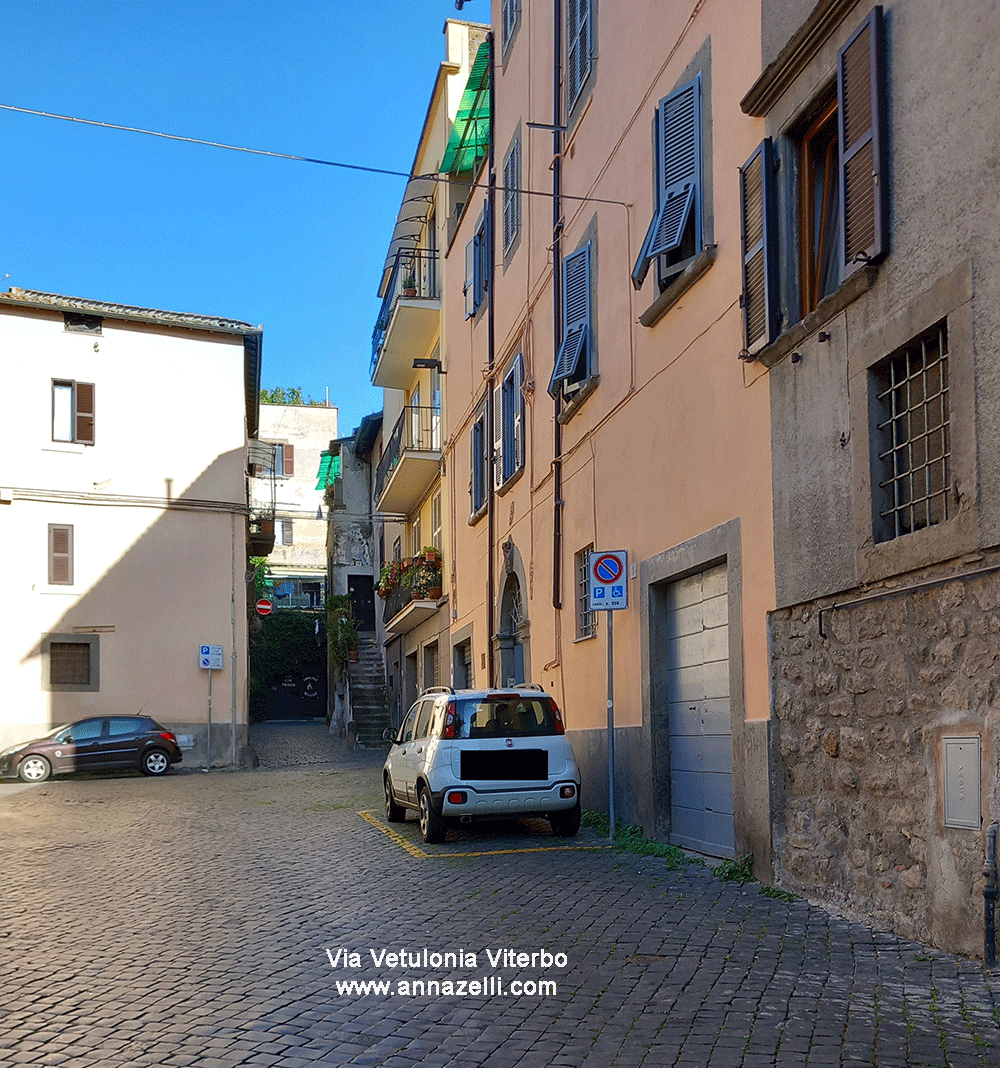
point(573, 363)
point(284, 461)
point(436, 521)
point(510, 14)
point(415, 543)
point(512, 194)
point(73, 417)
point(60, 552)
point(71, 663)
point(675, 233)
point(512, 417)
point(479, 464)
point(283, 532)
point(586, 626)
point(579, 48)
point(834, 188)
point(477, 268)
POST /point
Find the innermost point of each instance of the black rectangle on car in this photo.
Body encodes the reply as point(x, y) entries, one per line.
point(501, 765)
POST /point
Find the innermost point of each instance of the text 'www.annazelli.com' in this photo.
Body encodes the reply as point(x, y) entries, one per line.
point(457, 986)
point(488, 986)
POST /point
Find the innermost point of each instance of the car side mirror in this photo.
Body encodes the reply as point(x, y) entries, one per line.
point(388, 735)
point(68, 739)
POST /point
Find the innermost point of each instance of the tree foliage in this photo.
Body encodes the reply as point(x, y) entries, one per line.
point(288, 395)
point(287, 644)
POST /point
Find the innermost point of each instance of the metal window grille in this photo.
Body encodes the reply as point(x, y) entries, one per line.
point(69, 663)
point(913, 436)
point(585, 623)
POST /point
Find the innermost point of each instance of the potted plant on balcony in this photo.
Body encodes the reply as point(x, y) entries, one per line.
point(388, 578)
point(409, 285)
point(431, 555)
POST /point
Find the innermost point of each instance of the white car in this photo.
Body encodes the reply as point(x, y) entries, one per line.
point(465, 755)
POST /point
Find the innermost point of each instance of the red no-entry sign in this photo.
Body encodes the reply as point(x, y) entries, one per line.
point(264, 607)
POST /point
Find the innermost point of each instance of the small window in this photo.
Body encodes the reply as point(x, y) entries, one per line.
point(511, 437)
point(73, 416)
point(436, 521)
point(819, 206)
point(579, 47)
point(283, 532)
point(509, 16)
point(60, 554)
point(573, 361)
point(675, 233)
point(76, 323)
point(71, 662)
point(512, 194)
point(911, 432)
point(415, 543)
point(478, 481)
point(477, 268)
point(585, 622)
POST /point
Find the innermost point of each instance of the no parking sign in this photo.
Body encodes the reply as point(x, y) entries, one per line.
point(608, 573)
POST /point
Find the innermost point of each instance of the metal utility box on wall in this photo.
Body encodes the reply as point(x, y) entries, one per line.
point(962, 759)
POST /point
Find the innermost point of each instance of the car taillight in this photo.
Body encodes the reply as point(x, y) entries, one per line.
point(567, 791)
point(560, 729)
point(449, 721)
point(170, 737)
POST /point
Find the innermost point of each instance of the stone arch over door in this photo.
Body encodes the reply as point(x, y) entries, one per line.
point(511, 642)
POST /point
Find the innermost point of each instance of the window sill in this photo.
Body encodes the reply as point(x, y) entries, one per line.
point(578, 398)
point(477, 515)
point(585, 637)
point(846, 293)
point(515, 477)
point(679, 286)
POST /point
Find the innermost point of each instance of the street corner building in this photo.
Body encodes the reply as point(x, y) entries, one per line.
point(128, 517)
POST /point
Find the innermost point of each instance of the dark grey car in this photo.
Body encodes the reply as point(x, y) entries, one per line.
point(98, 743)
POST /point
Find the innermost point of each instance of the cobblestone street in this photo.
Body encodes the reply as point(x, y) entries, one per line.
point(197, 919)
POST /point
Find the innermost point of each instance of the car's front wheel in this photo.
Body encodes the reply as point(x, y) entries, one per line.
point(432, 826)
point(393, 813)
point(34, 769)
point(566, 823)
point(155, 762)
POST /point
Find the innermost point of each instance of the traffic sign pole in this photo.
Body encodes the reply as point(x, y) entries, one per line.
point(611, 727)
point(208, 756)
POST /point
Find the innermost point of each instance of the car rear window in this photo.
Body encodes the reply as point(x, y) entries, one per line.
point(506, 717)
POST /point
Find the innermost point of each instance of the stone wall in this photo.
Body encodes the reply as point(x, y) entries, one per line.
point(861, 714)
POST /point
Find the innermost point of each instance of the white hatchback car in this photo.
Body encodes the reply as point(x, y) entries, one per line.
point(464, 755)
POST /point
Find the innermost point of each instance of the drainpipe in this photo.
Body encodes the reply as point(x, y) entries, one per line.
point(557, 502)
point(491, 183)
point(990, 898)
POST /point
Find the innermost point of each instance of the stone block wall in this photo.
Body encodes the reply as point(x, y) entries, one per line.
point(861, 714)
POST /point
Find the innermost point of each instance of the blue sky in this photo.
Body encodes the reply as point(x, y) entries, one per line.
point(295, 247)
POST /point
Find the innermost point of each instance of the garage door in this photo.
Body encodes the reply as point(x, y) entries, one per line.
point(701, 748)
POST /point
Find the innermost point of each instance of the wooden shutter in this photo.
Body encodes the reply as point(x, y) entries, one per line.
point(469, 288)
point(84, 424)
point(498, 435)
point(862, 132)
point(286, 532)
point(757, 235)
point(576, 318)
point(288, 461)
point(678, 175)
point(60, 555)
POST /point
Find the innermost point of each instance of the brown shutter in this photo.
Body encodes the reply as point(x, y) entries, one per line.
point(760, 304)
point(862, 130)
point(289, 460)
point(60, 555)
point(85, 426)
point(286, 532)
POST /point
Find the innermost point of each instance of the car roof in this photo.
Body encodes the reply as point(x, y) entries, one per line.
point(522, 690)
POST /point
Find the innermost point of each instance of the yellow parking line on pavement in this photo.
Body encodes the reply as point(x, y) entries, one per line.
point(416, 851)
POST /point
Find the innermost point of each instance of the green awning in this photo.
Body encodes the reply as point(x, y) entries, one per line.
point(329, 470)
point(470, 135)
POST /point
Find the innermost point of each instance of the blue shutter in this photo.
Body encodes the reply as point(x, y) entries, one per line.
point(576, 319)
point(864, 217)
point(477, 463)
point(578, 48)
point(498, 435)
point(758, 245)
point(512, 194)
point(469, 289)
point(678, 176)
point(517, 435)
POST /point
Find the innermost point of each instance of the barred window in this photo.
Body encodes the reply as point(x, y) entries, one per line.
point(585, 621)
point(71, 662)
point(911, 453)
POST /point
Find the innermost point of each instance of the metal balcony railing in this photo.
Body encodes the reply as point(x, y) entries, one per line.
point(416, 430)
point(414, 277)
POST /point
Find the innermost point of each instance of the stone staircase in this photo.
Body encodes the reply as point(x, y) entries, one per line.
point(369, 705)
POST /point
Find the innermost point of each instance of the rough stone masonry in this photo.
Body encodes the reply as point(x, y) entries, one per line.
point(861, 714)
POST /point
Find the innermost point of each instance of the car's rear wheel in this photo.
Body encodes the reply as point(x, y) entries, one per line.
point(432, 826)
point(154, 762)
point(393, 813)
point(34, 768)
point(566, 823)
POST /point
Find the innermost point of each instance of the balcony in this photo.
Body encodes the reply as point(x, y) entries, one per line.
point(260, 497)
point(410, 462)
point(408, 320)
point(402, 613)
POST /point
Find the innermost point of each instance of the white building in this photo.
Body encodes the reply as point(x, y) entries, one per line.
point(125, 515)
